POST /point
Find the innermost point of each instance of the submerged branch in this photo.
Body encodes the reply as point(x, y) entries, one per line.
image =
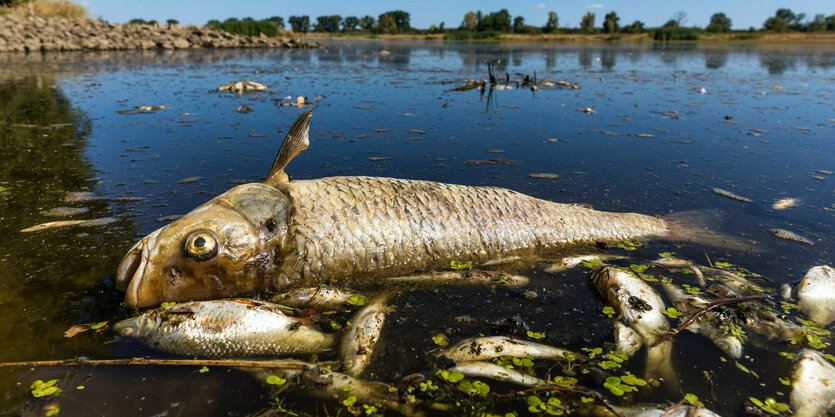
point(291, 365)
point(704, 310)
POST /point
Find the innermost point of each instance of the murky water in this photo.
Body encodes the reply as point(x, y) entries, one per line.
point(670, 123)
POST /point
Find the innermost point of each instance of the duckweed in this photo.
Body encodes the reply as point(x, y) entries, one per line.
point(461, 265)
point(693, 400)
point(440, 339)
point(672, 313)
point(770, 405)
point(276, 380)
point(608, 311)
point(44, 389)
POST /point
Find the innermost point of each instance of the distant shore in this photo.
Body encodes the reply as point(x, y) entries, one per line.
point(36, 34)
point(824, 37)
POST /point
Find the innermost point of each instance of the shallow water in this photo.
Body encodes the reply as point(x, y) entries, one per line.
point(655, 144)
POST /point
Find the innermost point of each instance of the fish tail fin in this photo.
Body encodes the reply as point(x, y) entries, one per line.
point(693, 226)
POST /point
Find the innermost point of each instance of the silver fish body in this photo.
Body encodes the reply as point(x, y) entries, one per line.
point(486, 348)
point(362, 336)
point(813, 390)
point(225, 329)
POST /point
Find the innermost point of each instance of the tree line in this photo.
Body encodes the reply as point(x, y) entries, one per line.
point(398, 21)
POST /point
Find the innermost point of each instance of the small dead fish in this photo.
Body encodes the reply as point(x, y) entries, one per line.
point(731, 195)
point(627, 341)
point(788, 235)
point(359, 342)
point(65, 223)
point(244, 109)
point(189, 180)
point(321, 298)
point(231, 328)
point(242, 87)
point(572, 261)
point(638, 304)
point(486, 348)
point(64, 211)
point(816, 294)
point(813, 390)
point(479, 369)
point(544, 176)
point(785, 203)
point(681, 411)
point(586, 110)
point(79, 196)
point(474, 277)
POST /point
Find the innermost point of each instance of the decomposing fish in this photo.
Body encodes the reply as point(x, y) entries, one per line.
point(789, 235)
point(649, 411)
point(483, 369)
point(640, 308)
point(816, 294)
point(813, 390)
point(710, 325)
point(231, 328)
point(486, 348)
point(320, 297)
point(361, 338)
point(242, 87)
point(473, 277)
point(283, 234)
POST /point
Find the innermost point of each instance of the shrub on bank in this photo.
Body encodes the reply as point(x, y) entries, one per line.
point(246, 26)
point(675, 34)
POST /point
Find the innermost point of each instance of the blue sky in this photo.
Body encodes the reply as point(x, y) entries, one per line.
point(428, 12)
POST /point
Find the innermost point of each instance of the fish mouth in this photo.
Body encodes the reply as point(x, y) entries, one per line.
point(131, 271)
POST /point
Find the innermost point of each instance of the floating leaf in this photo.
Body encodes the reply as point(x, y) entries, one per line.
point(638, 268)
point(98, 325)
point(440, 339)
point(672, 313)
point(168, 304)
point(461, 265)
point(51, 410)
point(608, 311)
point(692, 399)
point(536, 335)
point(785, 381)
point(276, 380)
point(594, 263)
point(205, 369)
point(348, 402)
point(665, 254)
point(586, 399)
point(742, 367)
point(356, 300)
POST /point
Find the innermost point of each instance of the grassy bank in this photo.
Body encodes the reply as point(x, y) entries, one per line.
point(46, 8)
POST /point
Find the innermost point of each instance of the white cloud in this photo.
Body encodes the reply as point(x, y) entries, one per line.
point(595, 6)
point(541, 5)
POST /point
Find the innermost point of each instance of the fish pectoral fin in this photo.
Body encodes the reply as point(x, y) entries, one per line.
point(296, 141)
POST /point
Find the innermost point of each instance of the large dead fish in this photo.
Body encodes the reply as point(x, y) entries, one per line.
point(283, 234)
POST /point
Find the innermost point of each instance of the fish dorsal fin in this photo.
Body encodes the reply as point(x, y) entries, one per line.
point(296, 141)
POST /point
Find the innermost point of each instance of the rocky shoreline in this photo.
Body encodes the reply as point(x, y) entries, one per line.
point(34, 34)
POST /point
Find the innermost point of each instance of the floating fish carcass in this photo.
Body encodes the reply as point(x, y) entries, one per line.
point(284, 234)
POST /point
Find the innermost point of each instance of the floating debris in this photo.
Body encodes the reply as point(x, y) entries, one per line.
point(731, 195)
point(784, 203)
point(64, 211)
point(379, 158)
point(300, 102)
point(244, 109)
point(417, 131)
point(189, 180)
point(586, 110)
point(242, 87)
point(816, 294)
point(544, 176)
point(787, 235)
point(141, 109)
point(824, 172)
point(491, 162)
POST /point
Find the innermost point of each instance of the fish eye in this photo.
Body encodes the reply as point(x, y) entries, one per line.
point(201, 245)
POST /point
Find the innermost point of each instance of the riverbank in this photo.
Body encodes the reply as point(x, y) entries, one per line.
point(768, 37)
point(34, 34)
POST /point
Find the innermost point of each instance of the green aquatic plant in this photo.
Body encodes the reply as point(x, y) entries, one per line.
point(672, 313)
point(276, 380)
point(609, 311)
point(461, 265)
point(638, 268)
point(203, 370)
point(665, 254)
point(44, 389)
point(356, 300)
point(168, 304)
point(451, 377)
point(629, 245)
point(440, 340)
point(594, 263)
point(693, 400)
point(552, 406)
point(474, 388)
point(535, 335)
point(785, 381)
point(98, 325)
point(770, 405)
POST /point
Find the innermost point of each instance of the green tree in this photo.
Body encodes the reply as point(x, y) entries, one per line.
point(785, 19)
point(587, 23)
point(818, 24)
point(830, 22)
point(552, 23)
point(328, 24)
point(367, 22)
point(386, 24)
point(396, 20)
point(350, 23)
point(636, 27)
point(300, 23)
point(495, 21)
point(610, 23)
point(719, 23)
point(469, 22)
point(672, 23)
point(278, 20)
point(518, 24)
point(172, 22)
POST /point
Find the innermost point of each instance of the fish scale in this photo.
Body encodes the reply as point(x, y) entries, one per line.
point(351, 228)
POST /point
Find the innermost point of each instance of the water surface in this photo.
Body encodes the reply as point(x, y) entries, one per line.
point(670, 123)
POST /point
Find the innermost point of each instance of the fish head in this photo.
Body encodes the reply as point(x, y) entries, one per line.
point(224, 248)
point(138, 327)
